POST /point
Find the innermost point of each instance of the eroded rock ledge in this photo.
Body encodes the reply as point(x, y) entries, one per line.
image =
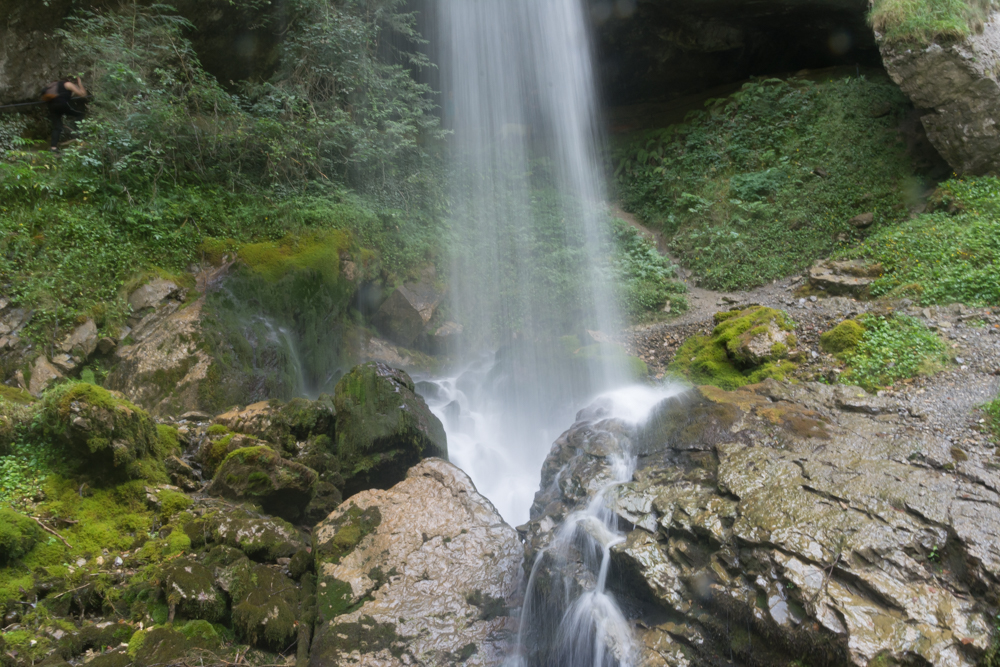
point(790, 522)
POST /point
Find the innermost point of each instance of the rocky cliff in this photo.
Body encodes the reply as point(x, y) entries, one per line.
point(956, 84)
point(789, 522)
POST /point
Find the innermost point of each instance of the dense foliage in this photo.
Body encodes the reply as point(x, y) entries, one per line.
point(923, 21)
point(167, 157)
point(949, 255)
point(763, 182)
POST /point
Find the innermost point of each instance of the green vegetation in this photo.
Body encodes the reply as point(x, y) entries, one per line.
point(763, 182)
point(921, 22)
point(732, 356)
point(992, 412)
point(893, 348)
point(169, 158)
point(949, 255)
point(843, 339)
point(644, 276)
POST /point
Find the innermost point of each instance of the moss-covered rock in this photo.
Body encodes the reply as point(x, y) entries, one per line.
point(745, 347)
point(383, 427)
point(18, 535)
point(191, 593)
point(218, 444)
point(259, 474)
point(262, 538)
point(170, 644)
point(265, 604)
point(104, 434)
point(843, 338)
point(283, 424)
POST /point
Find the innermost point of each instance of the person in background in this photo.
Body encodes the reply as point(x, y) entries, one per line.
point(57, 96)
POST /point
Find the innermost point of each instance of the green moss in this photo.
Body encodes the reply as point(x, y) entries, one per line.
point(920, 22)
point(18, 535)
point(281, 487)
point(843, 338)
point(173, 502)
point(169, 441)
point(719, 359)
point(489, 607)
point(177, 542)
point(201, 631)
point(216, 430)
point(335, 598)
point(15, 395)
point(104, 435)
point(317, 252)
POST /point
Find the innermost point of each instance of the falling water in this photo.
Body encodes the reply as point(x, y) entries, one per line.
point(529, 280)
point(528, 276)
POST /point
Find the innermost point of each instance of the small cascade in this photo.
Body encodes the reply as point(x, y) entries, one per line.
point(573, 619)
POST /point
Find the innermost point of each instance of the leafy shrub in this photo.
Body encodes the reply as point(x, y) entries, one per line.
point(644, 276)
point(992, 412)
point(891, 349)
point(762, 183)
point(951, 255)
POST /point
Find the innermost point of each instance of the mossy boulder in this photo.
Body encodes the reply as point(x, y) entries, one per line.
point(745, 347)
point(191, 593)
point(265, 604)
point(103, 433)
point(219, 442)
point(283, 424)
point(383, 427)
point(15, 413)
point(259, 474)
point(843, 338)
point(18, 535)
point(171, 644)
point(262, 538)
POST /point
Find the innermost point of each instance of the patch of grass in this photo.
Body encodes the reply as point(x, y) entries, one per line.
point(893, 348)
point(762, 183)
point(949, 255)
point(921, 22)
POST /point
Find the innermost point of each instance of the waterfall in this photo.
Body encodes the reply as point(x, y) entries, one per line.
point(528, 277)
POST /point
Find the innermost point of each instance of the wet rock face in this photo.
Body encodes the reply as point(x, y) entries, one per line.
point(791, 522)
point(258, 474)
point(432, 566)
point(958, 86)
point(383, 427)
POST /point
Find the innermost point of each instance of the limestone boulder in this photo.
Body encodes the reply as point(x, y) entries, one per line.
point(820, 521)
point(151, 294)
point(845, 277)
point(43, 375)
point(263, 538)
point(958, 84)
point(383, 427)
point(160, 364)
point(419, 574)
point(407, 312)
